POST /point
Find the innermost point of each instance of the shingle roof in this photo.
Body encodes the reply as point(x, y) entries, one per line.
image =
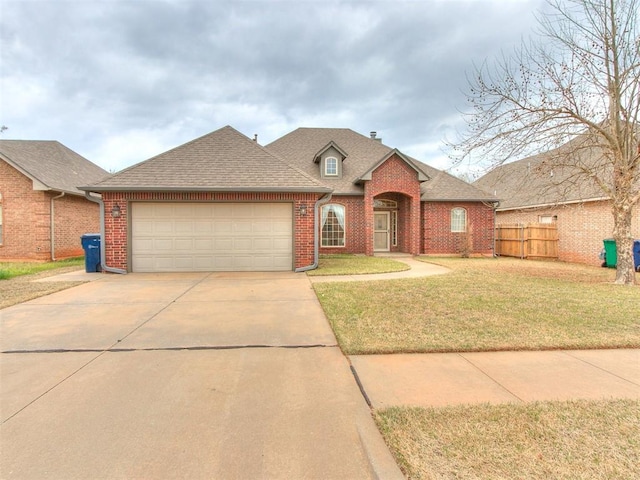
point(543, 179)
point(301, 146)
point(223, 160)
point(444, 187)
point(363, 153)
point(51, 164)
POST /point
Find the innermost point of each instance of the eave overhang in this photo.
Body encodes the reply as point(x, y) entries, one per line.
point(98, 189)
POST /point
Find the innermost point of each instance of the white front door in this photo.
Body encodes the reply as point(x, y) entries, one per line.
point(380, 231)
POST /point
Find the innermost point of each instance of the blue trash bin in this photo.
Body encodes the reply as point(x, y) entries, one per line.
point(91, 246)
point(636, 255)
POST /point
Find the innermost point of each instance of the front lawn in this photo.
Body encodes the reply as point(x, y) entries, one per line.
point(355, 265)
point(559, 440)
point(16, 269)
point(17, 283)
point(483, 305)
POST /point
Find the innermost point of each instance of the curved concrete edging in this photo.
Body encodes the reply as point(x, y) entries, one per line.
point(418, 269)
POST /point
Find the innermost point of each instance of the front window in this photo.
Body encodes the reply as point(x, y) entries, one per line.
point(333, 225)
point(458, 220)
point(331, 167)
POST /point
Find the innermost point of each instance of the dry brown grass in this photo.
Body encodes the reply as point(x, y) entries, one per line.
point(483, 305)
point(355, 265)
point(555, 440)
point(23, 288)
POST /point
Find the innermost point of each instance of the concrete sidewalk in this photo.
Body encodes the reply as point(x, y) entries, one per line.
point(442, 379)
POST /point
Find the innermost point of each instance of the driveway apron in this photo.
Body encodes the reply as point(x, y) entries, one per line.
point(195, 375)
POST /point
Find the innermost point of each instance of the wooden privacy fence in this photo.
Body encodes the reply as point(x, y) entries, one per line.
point(533, 240)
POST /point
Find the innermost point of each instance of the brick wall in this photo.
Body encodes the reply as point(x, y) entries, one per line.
point(354, 225)
point(395, 176)
point(437, 237)
point(581, 228)
point(74, 216)
point(116, 229)
point(27, 219)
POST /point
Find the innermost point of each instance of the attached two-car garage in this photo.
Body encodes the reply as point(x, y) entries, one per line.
point(187, 237)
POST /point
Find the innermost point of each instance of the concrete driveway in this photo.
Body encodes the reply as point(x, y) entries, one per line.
point(216, 376)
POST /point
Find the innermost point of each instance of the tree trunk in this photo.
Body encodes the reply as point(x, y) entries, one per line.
point(625, 269)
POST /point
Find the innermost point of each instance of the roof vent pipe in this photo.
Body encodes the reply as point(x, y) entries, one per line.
point(255, 137)
point(373, 135)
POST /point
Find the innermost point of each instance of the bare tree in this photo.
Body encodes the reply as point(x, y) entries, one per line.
point(576, 85)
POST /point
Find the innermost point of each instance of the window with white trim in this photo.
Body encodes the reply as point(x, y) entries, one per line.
point(547, 218)
point(333, 225)
point(331, 167)
point(458, 220)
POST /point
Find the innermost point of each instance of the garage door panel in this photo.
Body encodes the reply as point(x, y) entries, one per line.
point(242, 226)
point(211, 236)
point(223, 226)
point(161, 245)
point(203, 244)
point(264, 244)
point(184, 245)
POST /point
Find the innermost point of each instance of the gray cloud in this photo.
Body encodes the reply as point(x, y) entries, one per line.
point(119, 81)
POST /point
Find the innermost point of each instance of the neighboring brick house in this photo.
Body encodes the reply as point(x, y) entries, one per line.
point(535, 190)
point(223, 202)
point(42, 212)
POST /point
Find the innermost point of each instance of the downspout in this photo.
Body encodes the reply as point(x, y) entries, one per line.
point(53, 227)
point(316, 244)
point(103, 254)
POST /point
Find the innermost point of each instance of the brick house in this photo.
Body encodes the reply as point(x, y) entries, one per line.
point(42, 212)
point(223, 202)
point(536, 190)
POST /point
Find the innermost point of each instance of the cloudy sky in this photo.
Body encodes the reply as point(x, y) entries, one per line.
point(119, 81)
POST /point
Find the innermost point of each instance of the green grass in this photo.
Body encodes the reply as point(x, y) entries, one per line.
point(484, 305)
point(355, 265)
point(559, 440)
point(16, 269)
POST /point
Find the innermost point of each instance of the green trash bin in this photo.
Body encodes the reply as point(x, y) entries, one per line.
point(610, 253)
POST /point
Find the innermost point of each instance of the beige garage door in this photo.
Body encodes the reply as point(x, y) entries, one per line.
point(187, 237)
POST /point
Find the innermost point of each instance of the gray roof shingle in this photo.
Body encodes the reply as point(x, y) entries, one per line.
point(51, 164)
point(223, 160)
point(363, 153)
point(549, 178)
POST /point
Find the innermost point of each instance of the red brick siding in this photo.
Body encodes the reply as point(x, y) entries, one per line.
point(116, 229)
point(581, 228)
point(395, 176)
point(354, 225)
point(27, 219)
point(437, 237)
